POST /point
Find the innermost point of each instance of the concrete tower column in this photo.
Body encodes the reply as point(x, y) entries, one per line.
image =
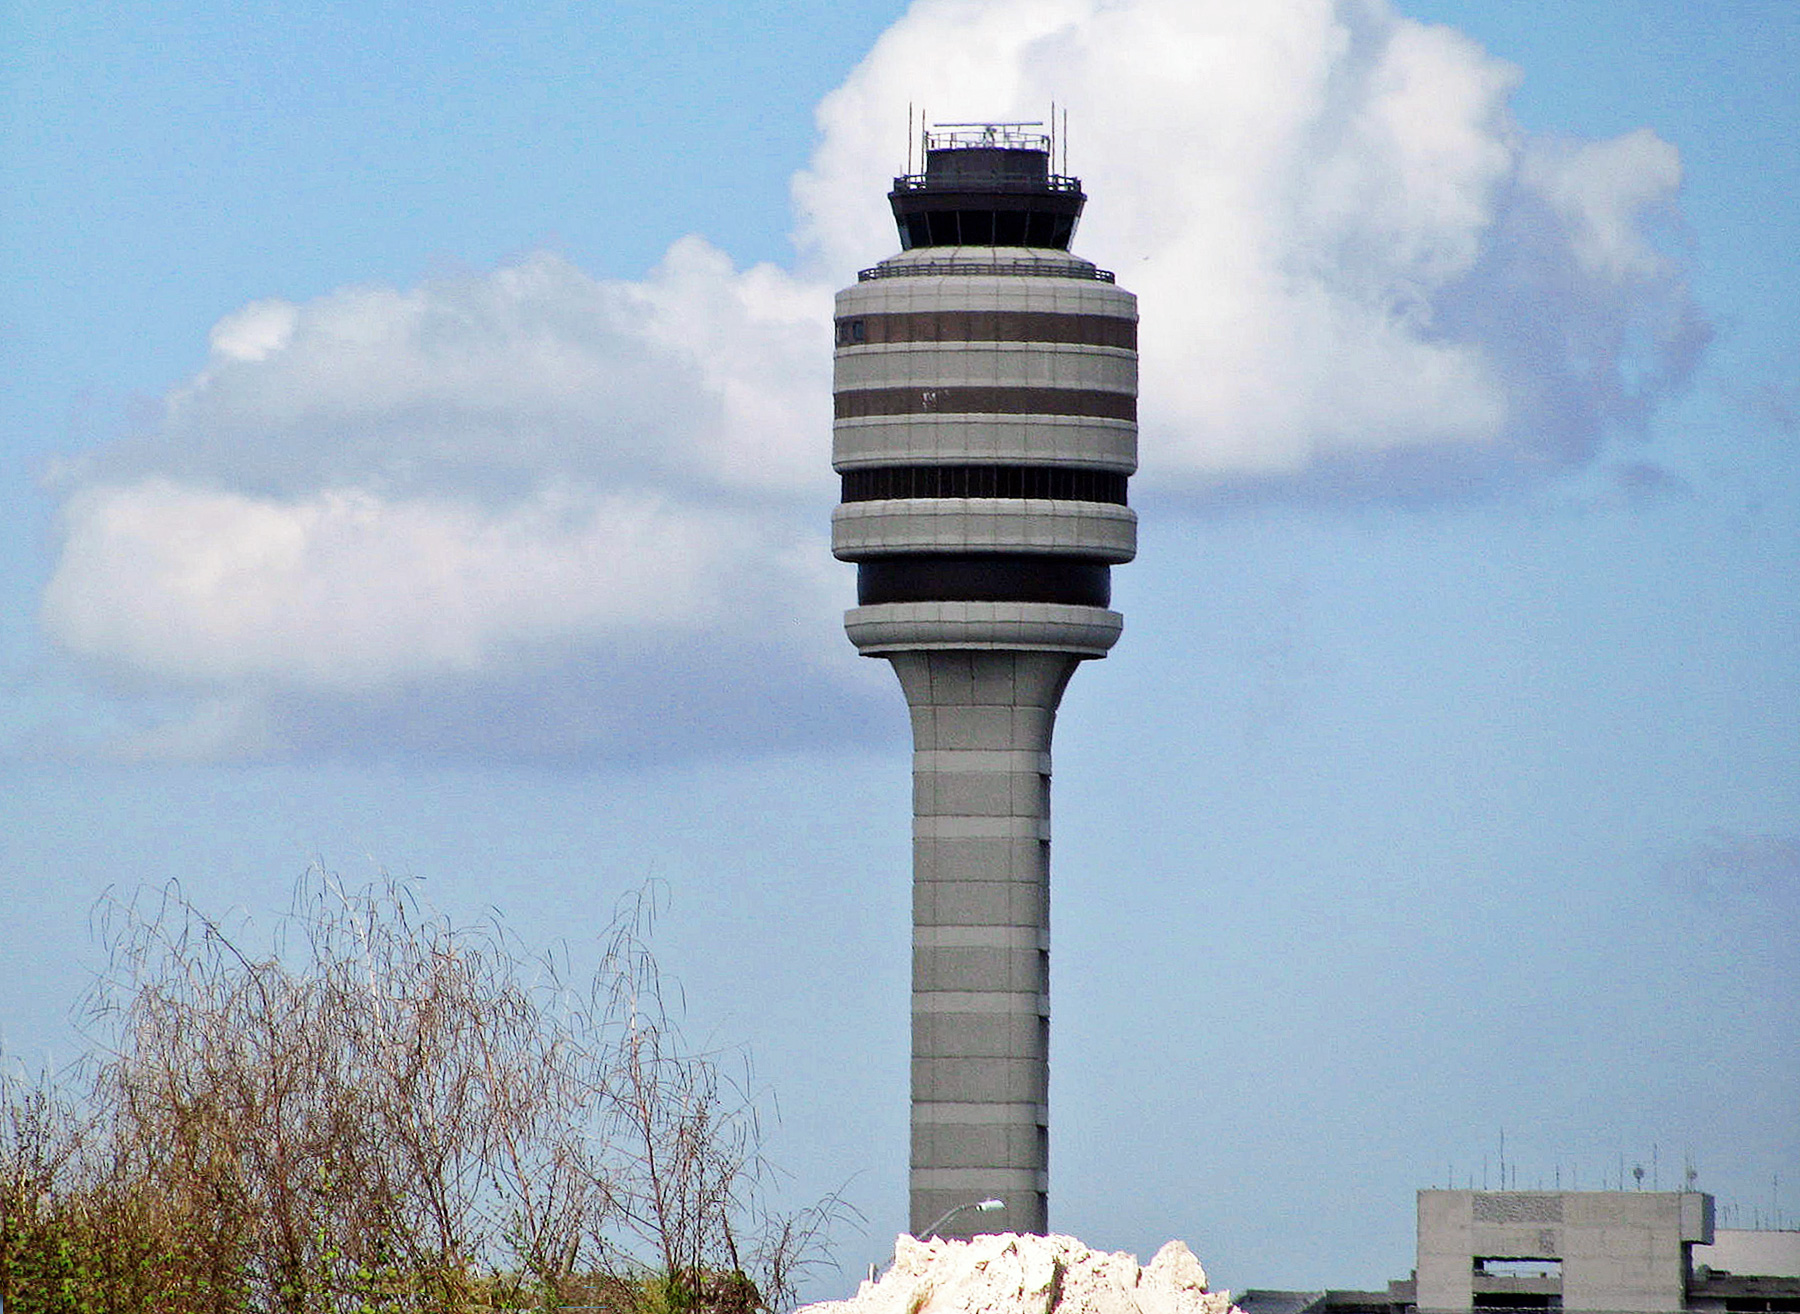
point(981, 929)
point(985, 391)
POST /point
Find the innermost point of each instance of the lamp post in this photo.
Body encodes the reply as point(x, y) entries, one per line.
point(984, 1206)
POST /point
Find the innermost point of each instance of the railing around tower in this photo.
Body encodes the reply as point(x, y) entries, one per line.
point(920, 182)
point(1041, 269)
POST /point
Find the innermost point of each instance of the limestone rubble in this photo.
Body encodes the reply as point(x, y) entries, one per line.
point(1012, 1274)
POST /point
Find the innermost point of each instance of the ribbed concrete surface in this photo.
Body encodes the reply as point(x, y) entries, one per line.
point(1035, 626)
point(1006, 364)
point(1045, 439)
point(1094, 531)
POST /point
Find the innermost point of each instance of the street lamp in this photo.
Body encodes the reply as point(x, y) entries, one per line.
point(985, 1206)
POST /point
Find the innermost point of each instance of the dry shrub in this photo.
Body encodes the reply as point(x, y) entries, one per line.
point(384, 1111)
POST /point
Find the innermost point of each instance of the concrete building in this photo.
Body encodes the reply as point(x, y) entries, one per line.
point(985, 392)
point(1569, 1250)
point(1598, 1252)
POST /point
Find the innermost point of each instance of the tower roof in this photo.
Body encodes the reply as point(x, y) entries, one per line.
point(987, 184)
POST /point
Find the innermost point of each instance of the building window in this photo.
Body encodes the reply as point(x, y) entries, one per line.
point(1060, 483)
point(1492, 1267)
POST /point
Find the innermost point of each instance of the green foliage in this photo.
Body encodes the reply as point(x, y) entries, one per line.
point(385, 1113)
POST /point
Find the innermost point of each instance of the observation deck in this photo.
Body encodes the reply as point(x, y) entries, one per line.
point(987, 184)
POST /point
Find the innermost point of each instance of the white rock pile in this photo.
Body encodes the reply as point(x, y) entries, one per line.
point(1012, 1274)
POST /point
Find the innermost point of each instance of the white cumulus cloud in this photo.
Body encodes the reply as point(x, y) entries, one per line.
point(344, 590)
point(536, 513)
point(698, 375)
point(526, 511)
point(1350, 261)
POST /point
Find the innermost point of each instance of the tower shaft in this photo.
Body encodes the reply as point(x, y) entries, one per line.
point(982, 723)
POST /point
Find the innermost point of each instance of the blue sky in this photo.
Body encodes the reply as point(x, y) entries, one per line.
point(416, 459)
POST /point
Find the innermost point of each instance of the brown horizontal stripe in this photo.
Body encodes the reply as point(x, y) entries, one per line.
point(987, 326)
point(860, 402)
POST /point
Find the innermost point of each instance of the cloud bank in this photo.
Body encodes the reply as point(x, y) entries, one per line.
point(1354, 270)
point(538, 514)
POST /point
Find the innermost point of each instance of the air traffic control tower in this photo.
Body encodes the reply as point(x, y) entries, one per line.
point(985, 396)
